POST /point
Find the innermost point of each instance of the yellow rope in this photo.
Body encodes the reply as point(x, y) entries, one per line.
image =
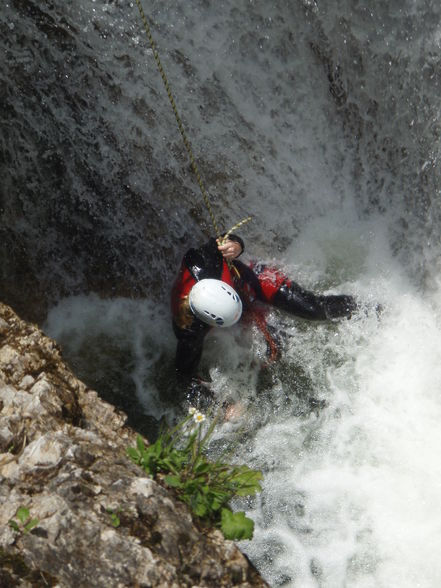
point(239, 224)
point(178, 119)
point(186, 141)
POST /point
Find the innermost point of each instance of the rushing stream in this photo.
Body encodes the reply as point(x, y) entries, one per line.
point(322, 121)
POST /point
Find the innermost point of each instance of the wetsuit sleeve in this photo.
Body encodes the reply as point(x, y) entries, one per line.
point(305, 304)
point(272, 286)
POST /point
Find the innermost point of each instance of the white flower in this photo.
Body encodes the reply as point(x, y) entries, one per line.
point(191, 410)
point(198, 417)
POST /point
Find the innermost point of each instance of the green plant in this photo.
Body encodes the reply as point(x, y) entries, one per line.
point(114, 516)
point(206, 486)
point(25, 523)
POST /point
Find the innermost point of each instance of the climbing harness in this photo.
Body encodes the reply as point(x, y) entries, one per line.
point(194, 165)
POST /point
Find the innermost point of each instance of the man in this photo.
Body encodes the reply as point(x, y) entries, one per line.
point(213, 286)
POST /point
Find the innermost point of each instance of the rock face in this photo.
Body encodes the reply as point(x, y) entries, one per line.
point(101, 522)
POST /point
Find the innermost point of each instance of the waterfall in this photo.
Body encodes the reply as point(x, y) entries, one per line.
point(322, 121)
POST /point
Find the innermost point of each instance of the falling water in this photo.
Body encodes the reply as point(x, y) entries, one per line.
point(322, 121)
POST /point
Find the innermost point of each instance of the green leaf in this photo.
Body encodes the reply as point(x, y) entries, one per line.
point(219, 498)
point(14, 525)
point(173, 481)
point(246, 481)
point(140, 444)
point(190, 487)
point(22, 514)
point(236, 526)
point(32, 523)
point(248, 490)
point(133, 454)
point(173, 462)
point(202, 466)
point(199, 508)
point(156, 448)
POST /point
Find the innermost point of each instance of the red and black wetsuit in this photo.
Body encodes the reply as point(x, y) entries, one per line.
point(253, 282)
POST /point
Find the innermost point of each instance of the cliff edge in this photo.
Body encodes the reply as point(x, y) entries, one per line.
point(96, 519)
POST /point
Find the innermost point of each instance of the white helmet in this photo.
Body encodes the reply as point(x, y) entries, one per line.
point(216, 303)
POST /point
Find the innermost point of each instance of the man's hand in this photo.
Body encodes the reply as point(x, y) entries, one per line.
point(230, 249)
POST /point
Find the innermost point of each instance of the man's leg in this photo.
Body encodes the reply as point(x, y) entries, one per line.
point(305, 304)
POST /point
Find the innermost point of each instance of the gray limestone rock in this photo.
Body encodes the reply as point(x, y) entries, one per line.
point(101, 522)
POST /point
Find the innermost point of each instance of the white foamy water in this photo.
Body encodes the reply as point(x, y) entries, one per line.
point(354, 497)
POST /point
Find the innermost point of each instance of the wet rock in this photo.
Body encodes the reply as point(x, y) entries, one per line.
point(99, 520)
